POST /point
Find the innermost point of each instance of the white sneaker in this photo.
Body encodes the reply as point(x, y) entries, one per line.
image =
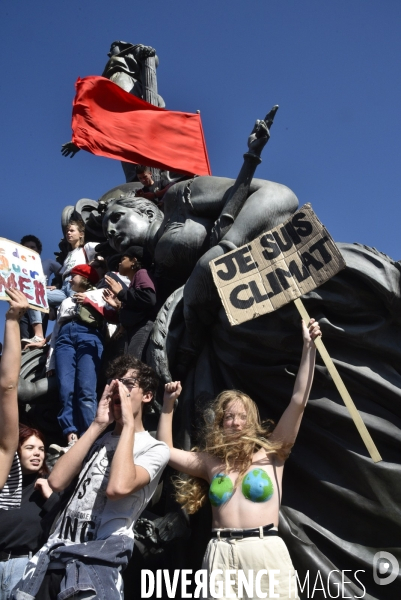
point(55, 452)
point(34, 340)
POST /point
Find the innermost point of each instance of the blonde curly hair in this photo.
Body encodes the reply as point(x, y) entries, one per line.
point(235, 448)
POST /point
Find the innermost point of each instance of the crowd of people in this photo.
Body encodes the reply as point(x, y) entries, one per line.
point(70, 531)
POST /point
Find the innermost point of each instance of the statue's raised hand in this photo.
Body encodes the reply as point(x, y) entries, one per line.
point(143, 52)
point(69, 149)
point(260, 133)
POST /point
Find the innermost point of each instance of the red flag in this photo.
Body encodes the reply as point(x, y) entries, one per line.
point(108, 121)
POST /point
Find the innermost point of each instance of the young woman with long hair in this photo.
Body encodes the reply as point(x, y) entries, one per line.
point(21, 533)
point(80, 254)
point(239, 468)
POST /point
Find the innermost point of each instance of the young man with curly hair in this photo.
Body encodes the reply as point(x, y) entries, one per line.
point(118, 472)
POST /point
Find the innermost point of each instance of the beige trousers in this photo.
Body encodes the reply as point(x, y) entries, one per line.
point(264, 563)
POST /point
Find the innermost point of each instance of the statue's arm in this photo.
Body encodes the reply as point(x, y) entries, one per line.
point(238, 194)
point(69, 149)
point(143, 52)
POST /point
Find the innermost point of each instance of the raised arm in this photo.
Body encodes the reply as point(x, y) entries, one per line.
point(288, 426)
point(69, 465)
point(9, 371)
point(126, 477)
point(191, 463)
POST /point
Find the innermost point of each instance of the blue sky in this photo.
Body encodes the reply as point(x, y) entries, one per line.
point(332, 66)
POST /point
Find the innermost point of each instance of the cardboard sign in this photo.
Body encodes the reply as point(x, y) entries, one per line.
point(21, 268)
point(276, 268)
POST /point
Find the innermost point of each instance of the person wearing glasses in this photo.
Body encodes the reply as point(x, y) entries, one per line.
point(239, 468)
point(118, 472)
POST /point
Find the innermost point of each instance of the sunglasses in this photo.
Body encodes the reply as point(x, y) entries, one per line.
point(129, 382)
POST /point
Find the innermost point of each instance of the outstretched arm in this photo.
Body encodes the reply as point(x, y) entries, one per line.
point(191, 463)
point(9, 371)
point(288, 426)
point(69, 149)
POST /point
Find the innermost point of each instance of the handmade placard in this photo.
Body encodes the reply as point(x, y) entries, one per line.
point(276, 268)
point(21, 268)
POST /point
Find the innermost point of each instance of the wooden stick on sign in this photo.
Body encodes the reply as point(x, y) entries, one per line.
point(349, 403)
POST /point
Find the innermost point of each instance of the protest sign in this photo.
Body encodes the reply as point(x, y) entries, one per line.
point(21, 268)
point(276, 268)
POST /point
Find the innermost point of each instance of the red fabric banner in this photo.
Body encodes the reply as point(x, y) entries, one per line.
point(108, 121)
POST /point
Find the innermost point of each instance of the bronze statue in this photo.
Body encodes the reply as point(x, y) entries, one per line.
point(203, 217)
point(359, 310)
point(133, 68)
point(127, 68)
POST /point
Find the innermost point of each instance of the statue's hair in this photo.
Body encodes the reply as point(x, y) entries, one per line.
point(235, 448)
point(138, 204)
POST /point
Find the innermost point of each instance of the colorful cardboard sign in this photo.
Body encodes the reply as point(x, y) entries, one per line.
point(21, 268)
point(276, 268)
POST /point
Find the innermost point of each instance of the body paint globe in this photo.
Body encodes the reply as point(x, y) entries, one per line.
point(221, 489)
point(257, 486)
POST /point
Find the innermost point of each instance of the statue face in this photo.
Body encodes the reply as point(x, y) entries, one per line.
point(124, 227)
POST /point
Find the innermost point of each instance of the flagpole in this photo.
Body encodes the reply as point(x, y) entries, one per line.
point(349, 403)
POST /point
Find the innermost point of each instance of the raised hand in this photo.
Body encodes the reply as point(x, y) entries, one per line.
point(144, 52)
point(260, 133)
point(310, 332)
point(79, 297)
point(113, 284)
point(104, 415)
point(18, 304)
point(43, 486)
point(69, 149)
point(111, 298)
point(127, 416)
point(171, 391)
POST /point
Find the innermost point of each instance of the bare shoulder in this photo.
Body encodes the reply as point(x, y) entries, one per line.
point(263, 459)
point(197, 464)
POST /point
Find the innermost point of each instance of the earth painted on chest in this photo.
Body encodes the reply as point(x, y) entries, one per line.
point(221, 489)
point(257, 486)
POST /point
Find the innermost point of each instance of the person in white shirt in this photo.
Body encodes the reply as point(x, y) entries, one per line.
point(117, 475)
point(80, 254)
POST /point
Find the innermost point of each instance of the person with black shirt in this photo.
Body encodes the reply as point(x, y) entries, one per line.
point(153, 189)
point(136, 305)
point(21, 533)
